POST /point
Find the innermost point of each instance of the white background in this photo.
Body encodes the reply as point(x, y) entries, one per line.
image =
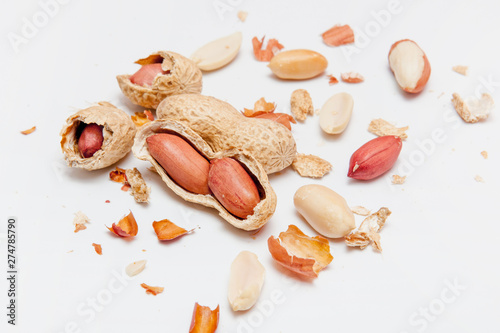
point(444, 225)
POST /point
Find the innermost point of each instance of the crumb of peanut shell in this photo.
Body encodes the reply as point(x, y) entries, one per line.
point(461, 69)
point(484, 153)
point(242, 15)
point(472, 109)
point(398, 180)
point(311, 166)
point(79, 221)
point(382, 127)
point(479, 179)
point(368, 231)
point(140, 190)
point(301, 104)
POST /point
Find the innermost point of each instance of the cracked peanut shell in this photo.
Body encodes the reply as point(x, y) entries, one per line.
point(118, 132)
point(264, 209)
point(183, 77)
point(223, 127)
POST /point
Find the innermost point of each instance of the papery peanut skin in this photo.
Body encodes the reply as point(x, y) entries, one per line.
point(90, 140)
point(146, 74)
point(281, 118)
point(233, 187)
point(181, 162)
point(375, 157)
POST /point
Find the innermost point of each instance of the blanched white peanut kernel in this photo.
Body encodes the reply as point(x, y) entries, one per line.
point(135, 268)
point(325, 210)
point(407, 62)
point(245, 281)
point(336, 113)
point(218, 53)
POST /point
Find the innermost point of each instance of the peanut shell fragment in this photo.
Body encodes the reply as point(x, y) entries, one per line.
point(301, 104)
point(398, 180)
point(381, 127)
point(461, 69)
point(472, 110)
point(140, 190)
point(311, 166)
point(368, 231)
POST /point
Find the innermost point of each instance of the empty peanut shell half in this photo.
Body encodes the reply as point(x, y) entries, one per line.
point(262, 211)
point(97, 137)
point(162, 74)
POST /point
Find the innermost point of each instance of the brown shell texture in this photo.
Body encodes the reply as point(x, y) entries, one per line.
point(184, 78)
point(118, 133)
point(264, 209)
point(223, 127)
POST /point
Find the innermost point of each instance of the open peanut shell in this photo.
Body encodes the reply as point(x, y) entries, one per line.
point(183, 77)
point(264, 209)
point(118, 133)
